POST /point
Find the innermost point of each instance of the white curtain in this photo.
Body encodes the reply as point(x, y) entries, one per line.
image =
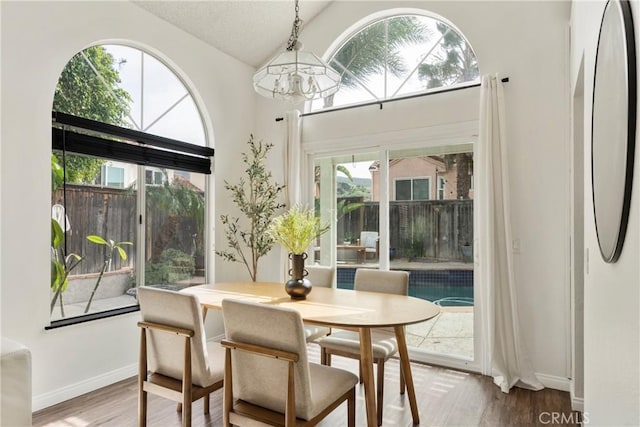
point(292, 159)
point(510, 365)
point(292, 177)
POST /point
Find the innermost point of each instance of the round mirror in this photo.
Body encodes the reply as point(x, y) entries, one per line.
point(613, 127)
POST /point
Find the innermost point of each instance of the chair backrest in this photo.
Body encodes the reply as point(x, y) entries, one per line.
point(261, 380)
point(368, 239)
point(166, 351)
point(390, 282)
point(320, 275)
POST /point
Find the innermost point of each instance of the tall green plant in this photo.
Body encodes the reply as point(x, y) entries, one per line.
point(257, 197)
point(296, 229)
point(61, 265)
point(111, 248)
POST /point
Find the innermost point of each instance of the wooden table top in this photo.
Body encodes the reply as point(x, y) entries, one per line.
point(324, 306)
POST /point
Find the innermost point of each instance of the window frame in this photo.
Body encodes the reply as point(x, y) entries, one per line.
point(412, 181)
point(96, 138)
point(362, 25)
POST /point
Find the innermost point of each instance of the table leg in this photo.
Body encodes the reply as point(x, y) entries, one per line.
point(406, 370)
point(366, 362)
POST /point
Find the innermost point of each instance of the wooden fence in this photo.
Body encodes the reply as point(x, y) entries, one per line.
point(439, 230)
point(111, 214)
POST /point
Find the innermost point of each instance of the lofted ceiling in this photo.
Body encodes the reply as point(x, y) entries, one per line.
point(248, 30)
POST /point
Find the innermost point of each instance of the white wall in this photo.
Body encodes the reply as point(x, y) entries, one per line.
point(528, 42)
point(37, 41)
point(611, 291)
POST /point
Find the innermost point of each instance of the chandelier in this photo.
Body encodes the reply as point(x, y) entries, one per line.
point(295, 75)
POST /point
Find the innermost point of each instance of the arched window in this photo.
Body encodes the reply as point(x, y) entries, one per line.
point(398, 56)
point(127, 201)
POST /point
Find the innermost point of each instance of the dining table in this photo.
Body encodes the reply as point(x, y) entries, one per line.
point(338, 308)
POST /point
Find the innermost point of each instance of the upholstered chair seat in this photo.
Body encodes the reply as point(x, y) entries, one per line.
point(176, 361)
point(383, 340)
point(267, 374)
point(322, 277)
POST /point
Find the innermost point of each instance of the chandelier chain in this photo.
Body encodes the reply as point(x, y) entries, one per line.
point(293, 38)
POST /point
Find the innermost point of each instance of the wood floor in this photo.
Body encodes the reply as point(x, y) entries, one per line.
point(445, 398)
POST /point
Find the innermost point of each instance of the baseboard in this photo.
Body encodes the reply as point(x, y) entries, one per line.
point(554, 382)
point(577, 404)
point(74, 390)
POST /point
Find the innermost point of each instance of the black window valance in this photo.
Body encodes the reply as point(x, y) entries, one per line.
point(84, 136)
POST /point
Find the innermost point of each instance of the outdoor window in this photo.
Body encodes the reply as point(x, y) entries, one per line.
point(153, 177)
point(441, 187)
point(112, 176)
point(413, 189)
point(400, 56)
point(122, 118)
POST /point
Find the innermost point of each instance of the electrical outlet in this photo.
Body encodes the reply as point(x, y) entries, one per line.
point(515, 246)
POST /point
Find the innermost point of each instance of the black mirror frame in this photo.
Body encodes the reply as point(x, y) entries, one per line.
point(631, 95)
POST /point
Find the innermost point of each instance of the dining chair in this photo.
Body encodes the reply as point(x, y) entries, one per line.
point(268, 378)
point(383, 340)
point(319, 276)
point(176, 362)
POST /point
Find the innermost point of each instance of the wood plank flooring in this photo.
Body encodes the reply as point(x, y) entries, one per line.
point(445, 397)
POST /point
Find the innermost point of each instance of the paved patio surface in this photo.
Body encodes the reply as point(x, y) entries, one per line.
point(451, 332)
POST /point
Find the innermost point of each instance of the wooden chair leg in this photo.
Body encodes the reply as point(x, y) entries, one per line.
point(360, 371)
point(142, 408)
point(186, 413)
point(206, 404)
point(227, 397)
point(142, 377)
point(325, 357)
point(403, 385)
point(380, 389)
point(351, 408)
point(186, 384)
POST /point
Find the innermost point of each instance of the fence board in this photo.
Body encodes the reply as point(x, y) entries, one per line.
point(111, 214)
point(435, 230)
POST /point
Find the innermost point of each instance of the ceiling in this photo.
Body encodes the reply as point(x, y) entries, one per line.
point(250, 31)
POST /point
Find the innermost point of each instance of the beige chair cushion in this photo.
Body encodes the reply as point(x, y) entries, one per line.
point(383, 340)
point(15, 396)
point(384, 344)
point(261, 380)
point(166, 351)
point(319, 276)
point(312, 333)
point(390, 282)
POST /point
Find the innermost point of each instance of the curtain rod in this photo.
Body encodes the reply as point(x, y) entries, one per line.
point(380, 103)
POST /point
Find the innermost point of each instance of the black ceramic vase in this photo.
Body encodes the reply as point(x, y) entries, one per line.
point(298, 287)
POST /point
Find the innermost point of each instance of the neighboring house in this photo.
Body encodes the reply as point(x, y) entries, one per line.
point(420, 178)
point(115, 174)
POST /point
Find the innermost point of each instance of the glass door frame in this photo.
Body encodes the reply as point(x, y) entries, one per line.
point(465, 132)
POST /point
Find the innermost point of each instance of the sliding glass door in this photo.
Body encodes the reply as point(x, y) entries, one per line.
point(413, 210)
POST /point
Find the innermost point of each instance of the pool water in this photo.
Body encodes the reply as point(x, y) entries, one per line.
point(443, 287)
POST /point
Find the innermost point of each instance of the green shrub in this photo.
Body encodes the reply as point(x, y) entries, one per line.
point(174, 265)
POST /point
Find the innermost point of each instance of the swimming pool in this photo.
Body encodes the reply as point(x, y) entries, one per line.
point(443, 287)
